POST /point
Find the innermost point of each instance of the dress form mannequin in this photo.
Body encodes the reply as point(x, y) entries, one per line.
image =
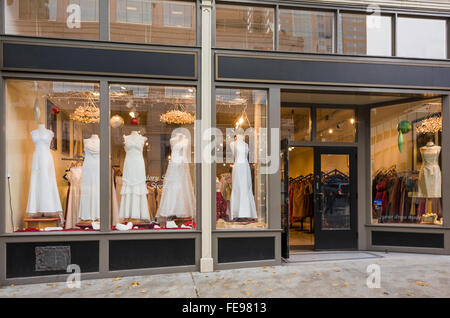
point(90, 180)
point(430, 172)
point(43, 195)
point(242, 200)
point(177, 198)
point(134, 204)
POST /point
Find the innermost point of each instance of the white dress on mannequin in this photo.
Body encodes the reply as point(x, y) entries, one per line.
point(73, 204)
point(43, 196)
point(430, 174)
point(242, 200)
point(178, 198)
point(90, 180)
point(133, 202)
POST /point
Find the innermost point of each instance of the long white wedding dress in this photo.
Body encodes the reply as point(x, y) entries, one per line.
point(90, 180)
point(178, 198)
point(43, 196)
point(133, 203)
point(242, 200)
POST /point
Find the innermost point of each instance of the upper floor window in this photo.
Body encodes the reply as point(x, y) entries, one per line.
point(153, 21)
point(77, 19)
point(366, 34)
point(244, 27)
point(306, 31)
point(422, 38)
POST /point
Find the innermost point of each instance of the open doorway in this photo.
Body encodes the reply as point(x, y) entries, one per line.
point(301, 198)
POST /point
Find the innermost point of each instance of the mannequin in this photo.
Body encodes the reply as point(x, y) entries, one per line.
point(177, 197)
point(242, 200)
point(90, 180)
point(133, 204)
point(430, 173)
point(43, 195)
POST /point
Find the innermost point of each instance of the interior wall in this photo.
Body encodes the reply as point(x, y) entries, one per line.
point(301, 161)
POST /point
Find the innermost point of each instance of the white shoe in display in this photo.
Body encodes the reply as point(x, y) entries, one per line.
point(186, 227)
point(171, 225)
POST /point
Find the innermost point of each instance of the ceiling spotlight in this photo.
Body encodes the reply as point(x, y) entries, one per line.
point(352, 121)
point(132, 115)
point(330, 131)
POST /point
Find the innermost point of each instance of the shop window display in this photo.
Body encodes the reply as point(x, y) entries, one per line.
point(241, 200)
point(52, 146)
point(405, 153)
point(75, 19)
point(152, 150)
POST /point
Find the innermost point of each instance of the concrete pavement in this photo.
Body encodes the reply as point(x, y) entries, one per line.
point(402, 275)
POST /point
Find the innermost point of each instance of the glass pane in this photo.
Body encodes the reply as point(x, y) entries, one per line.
point(336, 125)
point(335, 192)
point(243, 27)
point(423, 38)
point(241, 198)
point(152, 157)
point(52, 146)
point(366, 34)
point(296, 123)
point(75, 19)
point(406, 142)
point(153, 21)
point(306, 31)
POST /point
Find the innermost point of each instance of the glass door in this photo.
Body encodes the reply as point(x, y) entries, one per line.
point(335, 198)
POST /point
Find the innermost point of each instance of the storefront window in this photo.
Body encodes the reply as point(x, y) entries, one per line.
point(243, 27)
point(75, 19)
point(406, 144)
point(422, 38)
point(153, 21)
point(296, 123)
point(52, 147)
point(336, 125)
point(306, 31)
point(152, 157)
point(241, 198)
point(366, 34)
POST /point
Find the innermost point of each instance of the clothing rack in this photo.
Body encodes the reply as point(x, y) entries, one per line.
point(299, 179)
point(73, 159)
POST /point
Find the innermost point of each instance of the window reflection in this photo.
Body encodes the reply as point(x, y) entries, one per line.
point(366, 34)
point(306, 31)
point(243, 27)
point(153, 21)
point(422, 38)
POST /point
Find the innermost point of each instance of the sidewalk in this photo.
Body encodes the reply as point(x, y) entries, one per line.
point(316, 275)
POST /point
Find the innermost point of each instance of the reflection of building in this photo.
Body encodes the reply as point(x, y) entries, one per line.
point(354, 34)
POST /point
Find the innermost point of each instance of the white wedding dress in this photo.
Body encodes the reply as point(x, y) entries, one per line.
point(134, 202)
point(43, 196)
point(178, 198)
point(242, 201)
point(90, 181)
point(430, 179)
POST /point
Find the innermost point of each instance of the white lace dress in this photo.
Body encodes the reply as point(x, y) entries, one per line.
point(90, 181)
point(43, 196)
point(133, 203)
point(242, 200)
point(178, 198)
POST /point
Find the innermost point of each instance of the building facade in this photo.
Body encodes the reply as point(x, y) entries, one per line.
point(149, 136)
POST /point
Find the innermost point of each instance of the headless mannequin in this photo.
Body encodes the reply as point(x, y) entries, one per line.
point(41, 128)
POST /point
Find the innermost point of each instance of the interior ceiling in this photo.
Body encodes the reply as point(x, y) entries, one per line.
point(341, 98)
